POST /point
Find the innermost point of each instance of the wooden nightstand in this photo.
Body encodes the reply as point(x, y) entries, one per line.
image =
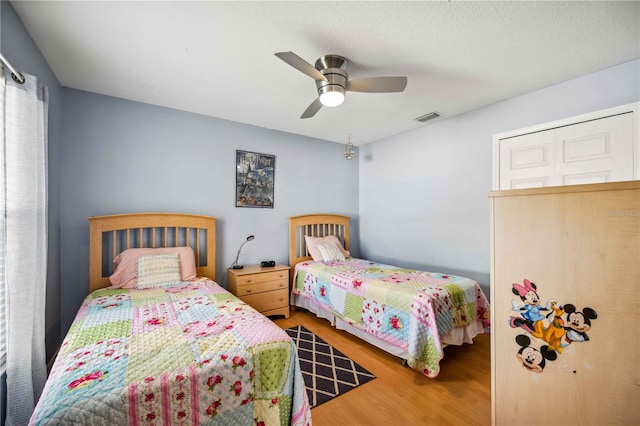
point(265, 289)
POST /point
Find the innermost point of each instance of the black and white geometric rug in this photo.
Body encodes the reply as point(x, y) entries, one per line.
point(327, 372)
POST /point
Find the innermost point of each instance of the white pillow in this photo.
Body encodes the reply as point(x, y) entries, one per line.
point(313, 242)
point(158, 270)
point(330, 252)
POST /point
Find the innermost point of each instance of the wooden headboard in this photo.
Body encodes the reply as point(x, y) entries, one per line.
point(111, 235)
point(314, 225)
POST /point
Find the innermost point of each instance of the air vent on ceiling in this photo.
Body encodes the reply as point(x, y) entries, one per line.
point(428, 117)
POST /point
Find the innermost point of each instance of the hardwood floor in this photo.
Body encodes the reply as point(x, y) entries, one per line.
point(460, 395)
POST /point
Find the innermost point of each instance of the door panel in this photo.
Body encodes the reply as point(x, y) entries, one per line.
point(595, 151)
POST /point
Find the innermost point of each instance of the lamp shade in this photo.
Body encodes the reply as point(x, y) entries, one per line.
point(331, 98)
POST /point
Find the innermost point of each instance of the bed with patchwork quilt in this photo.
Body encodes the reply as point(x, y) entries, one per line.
point(410, 314)
point(188, 354)
point(157, 343)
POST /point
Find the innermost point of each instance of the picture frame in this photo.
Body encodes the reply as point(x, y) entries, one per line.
point(255, 177)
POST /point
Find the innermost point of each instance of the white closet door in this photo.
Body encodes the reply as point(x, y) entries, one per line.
point(528, 161)
point(596, 151)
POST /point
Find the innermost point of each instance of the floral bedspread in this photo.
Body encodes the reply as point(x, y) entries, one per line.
point(186, 355)
point(406, 308)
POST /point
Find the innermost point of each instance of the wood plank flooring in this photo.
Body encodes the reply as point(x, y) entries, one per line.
point(460, 395)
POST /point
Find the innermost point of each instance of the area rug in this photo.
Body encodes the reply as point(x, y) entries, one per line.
point(327, 372)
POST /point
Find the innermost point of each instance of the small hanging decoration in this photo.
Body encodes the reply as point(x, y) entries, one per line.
point(349, 152)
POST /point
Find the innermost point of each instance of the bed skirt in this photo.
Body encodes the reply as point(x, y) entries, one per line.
point(457, 336)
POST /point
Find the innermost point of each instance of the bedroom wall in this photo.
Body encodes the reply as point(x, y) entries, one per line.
point(423, 194)
point(19, 49)
point(120, 156)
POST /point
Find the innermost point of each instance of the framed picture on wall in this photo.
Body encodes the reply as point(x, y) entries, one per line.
point(254, 179)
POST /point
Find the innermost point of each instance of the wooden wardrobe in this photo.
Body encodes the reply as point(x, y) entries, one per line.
point(565, 301)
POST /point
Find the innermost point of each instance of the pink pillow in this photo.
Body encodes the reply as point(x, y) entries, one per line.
point(313, 242)
point(126, 274)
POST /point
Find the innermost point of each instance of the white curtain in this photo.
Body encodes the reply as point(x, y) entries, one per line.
point(23, 190)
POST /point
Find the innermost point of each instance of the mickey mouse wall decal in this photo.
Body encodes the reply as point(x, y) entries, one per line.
point(561, 326)
point(577, 324)
point(533, 359)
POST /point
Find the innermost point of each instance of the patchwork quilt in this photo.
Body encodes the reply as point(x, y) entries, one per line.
point(192, 354)
point(406, 308)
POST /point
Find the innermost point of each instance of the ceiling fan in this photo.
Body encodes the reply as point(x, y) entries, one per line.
point(332, 80)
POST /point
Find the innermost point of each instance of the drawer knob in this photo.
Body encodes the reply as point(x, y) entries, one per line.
point(281, 275)
point(281, 299)
point(249, 280)
point(248, 290)
point(281, 285)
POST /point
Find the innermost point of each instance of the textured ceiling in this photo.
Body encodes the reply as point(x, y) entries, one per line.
point(217, 58)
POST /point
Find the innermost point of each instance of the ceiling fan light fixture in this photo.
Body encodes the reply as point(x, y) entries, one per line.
point(331, 95)
point(332, 80)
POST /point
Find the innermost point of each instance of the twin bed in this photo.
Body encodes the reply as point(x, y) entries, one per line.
point(170, 349)
point(158, 342)
point(410, 314)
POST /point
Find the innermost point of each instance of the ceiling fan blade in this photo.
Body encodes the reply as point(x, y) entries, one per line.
point(301, 65)
point(378, 84)
point(312, 109)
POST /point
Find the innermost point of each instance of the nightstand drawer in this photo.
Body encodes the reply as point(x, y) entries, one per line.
point(262, 277)
point(261, 287)
point(268, 301)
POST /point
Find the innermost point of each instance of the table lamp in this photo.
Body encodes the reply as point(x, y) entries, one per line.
point(235, 265)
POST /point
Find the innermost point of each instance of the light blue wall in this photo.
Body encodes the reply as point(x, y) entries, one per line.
point(423, 194)
point(417, 199)
point(120, 156)
point(19, 49)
